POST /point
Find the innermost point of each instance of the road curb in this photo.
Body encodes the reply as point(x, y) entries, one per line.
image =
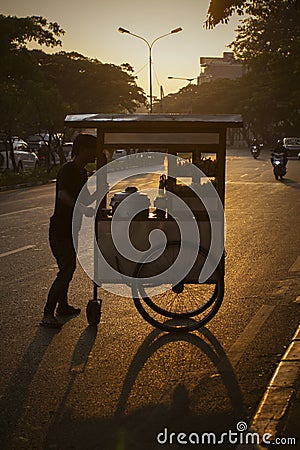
point(272, 412)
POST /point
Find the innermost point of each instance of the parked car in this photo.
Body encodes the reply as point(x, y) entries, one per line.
point(25, 158)
point(292, 145)
point(37, 141)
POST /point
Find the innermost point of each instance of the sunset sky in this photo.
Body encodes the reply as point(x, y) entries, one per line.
point(91, 29)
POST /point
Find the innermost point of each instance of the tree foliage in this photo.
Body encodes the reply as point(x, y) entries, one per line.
point(38, 89)
point(89, 85)
point(220, 11)
point(271, 33)
point(268, 41)
point(209, 98)
point(268, 96)
point(16, 32)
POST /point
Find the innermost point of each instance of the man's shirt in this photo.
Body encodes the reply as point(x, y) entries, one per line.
point(70, 180)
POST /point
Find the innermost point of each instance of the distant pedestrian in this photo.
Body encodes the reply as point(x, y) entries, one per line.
point(71, 178)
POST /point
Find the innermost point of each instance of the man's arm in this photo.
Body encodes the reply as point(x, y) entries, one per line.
point(66, 198)
point(69, 202)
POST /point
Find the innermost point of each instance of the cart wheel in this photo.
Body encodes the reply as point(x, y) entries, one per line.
point(93, 312)
point(183, 307)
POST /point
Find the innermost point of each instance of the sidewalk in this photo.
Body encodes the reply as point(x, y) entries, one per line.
point(290, 423)
point(279, 411)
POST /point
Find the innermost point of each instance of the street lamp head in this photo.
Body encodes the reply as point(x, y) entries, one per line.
point(123, 30)
point(176, 30)
point(181, 78)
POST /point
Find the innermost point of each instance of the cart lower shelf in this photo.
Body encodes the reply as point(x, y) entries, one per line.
point(184, 306)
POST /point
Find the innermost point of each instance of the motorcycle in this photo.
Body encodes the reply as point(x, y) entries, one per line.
point(255, 150)
point(279, 168)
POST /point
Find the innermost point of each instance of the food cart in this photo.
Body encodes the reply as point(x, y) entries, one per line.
point(189, 203)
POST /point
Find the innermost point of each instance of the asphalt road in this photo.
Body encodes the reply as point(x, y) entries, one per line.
point(118, 386)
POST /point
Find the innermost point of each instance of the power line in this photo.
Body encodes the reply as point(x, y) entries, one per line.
point(135, 73)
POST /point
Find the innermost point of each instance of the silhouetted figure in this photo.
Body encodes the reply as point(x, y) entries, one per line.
point(71, 178)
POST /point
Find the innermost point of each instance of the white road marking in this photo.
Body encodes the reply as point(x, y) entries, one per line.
point(258, 183)
point(296, 266)
point(244, 175)
point(149, 182)
point(20, 211)
point(17, 250)
point(237, 350)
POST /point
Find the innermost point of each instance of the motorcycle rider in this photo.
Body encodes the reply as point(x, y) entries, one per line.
point(255, 148)
point(280, 150)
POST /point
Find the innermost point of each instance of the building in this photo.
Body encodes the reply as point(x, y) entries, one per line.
point(212, 68)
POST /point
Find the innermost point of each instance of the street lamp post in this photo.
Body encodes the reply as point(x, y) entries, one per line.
point(176, 30)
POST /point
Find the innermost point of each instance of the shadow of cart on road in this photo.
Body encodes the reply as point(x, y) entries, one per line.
point(136, 428)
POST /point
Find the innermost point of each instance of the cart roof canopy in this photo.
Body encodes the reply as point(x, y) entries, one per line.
point(157, 122)
point(150, 130)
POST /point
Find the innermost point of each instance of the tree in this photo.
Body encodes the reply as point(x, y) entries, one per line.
point(220, 11)
point(90, 85)
point(272, 31)
point(10, 114)
point(216, 97)
point(268, 41)
point(45, 110)
point(268, 96)
point(38, 89)
point(16, 32)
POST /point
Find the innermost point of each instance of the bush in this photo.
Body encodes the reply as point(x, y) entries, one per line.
point(11, 178)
